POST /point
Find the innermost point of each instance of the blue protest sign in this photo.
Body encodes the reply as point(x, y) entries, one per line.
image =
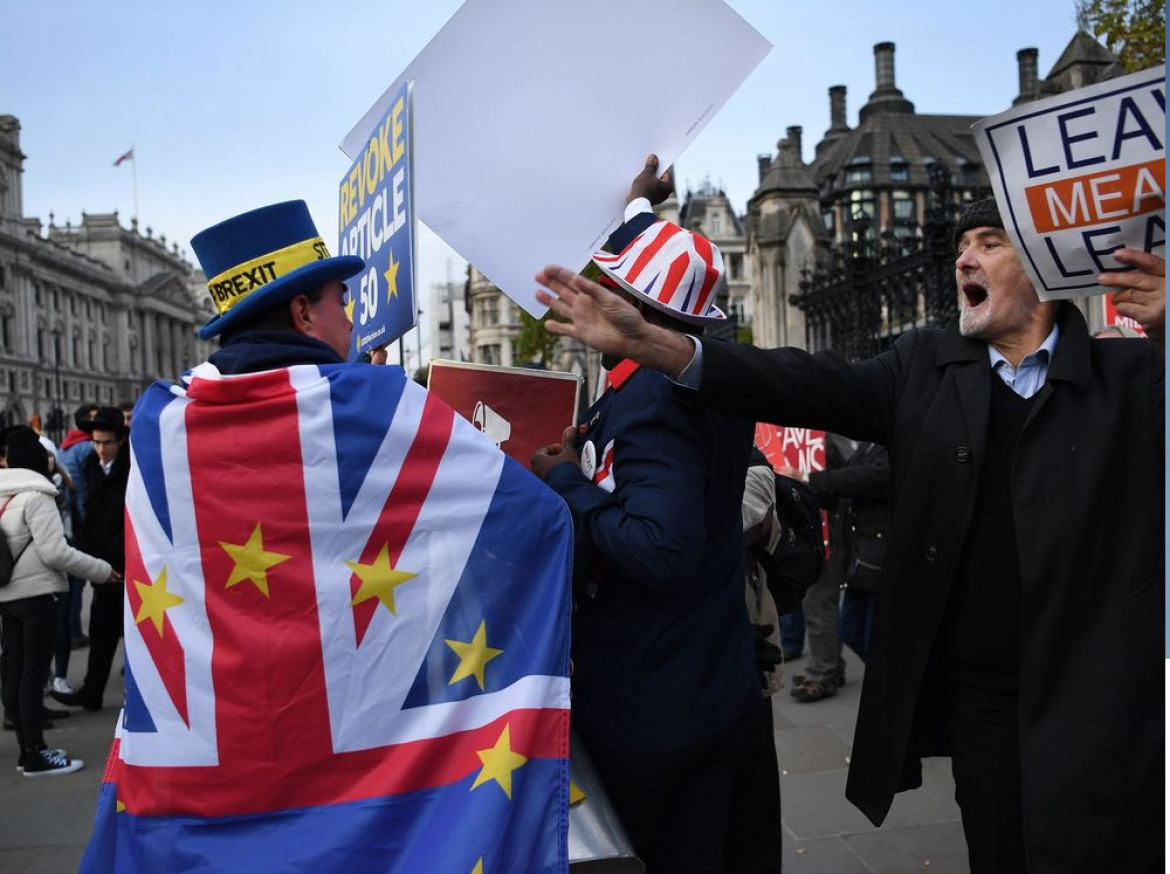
point(376, 223)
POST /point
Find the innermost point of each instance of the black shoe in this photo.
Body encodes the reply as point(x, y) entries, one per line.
point(54, 713)
point(76, 699)
point(48, 763)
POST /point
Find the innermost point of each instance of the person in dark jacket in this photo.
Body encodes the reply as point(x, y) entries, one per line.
point(105, 472)
point(665, 695)
point(1020, 627)
point(860, 491)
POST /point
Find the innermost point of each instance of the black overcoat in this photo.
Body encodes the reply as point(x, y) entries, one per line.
point(1088, 500)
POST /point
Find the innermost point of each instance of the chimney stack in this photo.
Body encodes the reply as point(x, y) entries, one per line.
point(764, 161)
point(883, 59)
point(1028, 60)
point(837, 108)
point(794, 140)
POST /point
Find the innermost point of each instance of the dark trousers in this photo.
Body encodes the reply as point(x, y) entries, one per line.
point(29, 628)
point(753, 843)
point(674, 804)
point(985, 761)
point(68, 625)
point(105, 630)
point(856, 620)
point(792, 632)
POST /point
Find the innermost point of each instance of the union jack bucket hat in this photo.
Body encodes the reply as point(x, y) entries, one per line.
point(671, 269)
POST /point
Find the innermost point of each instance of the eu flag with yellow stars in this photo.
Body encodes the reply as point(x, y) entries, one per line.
point(346, 635)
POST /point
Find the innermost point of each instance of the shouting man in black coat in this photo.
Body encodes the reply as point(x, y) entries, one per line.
point(1019, 628)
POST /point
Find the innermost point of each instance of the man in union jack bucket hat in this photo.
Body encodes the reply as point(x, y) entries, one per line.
point(665, 693)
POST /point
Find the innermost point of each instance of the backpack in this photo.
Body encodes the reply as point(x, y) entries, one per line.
point(797, 559)
point(7, 559)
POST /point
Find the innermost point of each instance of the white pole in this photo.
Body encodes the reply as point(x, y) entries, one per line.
point(134, 177)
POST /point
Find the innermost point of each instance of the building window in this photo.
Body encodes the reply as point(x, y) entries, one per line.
point(899, 170)
point(828, 216)
point(861, 205)
point(716, 224)
point(903, 207)
point(1, 275)
point(859, 172)
point(6, 332)
point(490, 314)
point(39, 297)
point(490, 354)
point(734, 266)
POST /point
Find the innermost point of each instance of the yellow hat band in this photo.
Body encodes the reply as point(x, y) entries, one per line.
point(232, 286)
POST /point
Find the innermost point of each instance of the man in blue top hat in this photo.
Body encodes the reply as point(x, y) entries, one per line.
point(279, 296)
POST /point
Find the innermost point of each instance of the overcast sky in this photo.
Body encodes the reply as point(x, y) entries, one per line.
point(232, 105)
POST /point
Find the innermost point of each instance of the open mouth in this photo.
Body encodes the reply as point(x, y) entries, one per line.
point(975, 293)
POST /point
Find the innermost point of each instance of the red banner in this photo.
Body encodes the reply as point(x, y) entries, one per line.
point(518, 409)
point(800, 448)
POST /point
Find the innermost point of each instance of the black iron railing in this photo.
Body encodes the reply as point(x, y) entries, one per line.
point(865, 293)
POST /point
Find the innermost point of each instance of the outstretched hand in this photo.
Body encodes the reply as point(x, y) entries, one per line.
point(602, 319)
point(597, 317)
point(1143, 291)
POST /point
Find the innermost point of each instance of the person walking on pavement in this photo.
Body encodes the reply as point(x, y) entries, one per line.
point(31, 527)
point(106, 473)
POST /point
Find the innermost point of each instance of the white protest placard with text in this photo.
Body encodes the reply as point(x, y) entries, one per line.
point(1079, 176)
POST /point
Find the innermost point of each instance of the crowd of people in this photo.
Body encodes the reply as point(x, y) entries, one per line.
point(62, 521)
point(989, 563)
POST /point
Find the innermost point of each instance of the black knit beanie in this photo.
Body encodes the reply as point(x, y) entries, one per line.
point(978, 214)
point(25, 450)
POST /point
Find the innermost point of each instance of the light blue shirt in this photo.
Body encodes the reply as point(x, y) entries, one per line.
point(1032, 373)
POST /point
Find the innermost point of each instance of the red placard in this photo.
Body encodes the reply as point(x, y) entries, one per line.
point(518, 409)
point(800, 448)
point(1112, 317)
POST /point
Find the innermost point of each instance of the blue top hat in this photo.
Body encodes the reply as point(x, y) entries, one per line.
point(262, 258)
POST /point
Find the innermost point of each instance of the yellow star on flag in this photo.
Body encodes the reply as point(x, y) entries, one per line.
point(378, 580)
point(499, 762)
point(252, 561)
point(391, 275)
point(349, 309)
point(119, 807)
point(156, 601)
point(478, 869)
point(473, 656)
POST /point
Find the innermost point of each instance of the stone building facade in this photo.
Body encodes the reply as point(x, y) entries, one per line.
point(88, 312)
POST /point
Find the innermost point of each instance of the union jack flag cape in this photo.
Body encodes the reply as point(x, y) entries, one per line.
point(346, 636)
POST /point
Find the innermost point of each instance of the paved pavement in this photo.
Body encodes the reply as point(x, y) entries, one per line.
point(45, 823)
point(824, 833)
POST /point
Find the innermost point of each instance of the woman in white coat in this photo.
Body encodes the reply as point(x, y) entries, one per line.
point(31, 525)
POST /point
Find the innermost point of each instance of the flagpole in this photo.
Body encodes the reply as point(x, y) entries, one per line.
point(134, 178)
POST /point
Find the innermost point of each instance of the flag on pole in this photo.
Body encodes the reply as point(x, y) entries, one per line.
point(127, 156)
point(346, 637)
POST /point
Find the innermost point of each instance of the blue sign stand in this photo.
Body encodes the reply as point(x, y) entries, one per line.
point(376, 223)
